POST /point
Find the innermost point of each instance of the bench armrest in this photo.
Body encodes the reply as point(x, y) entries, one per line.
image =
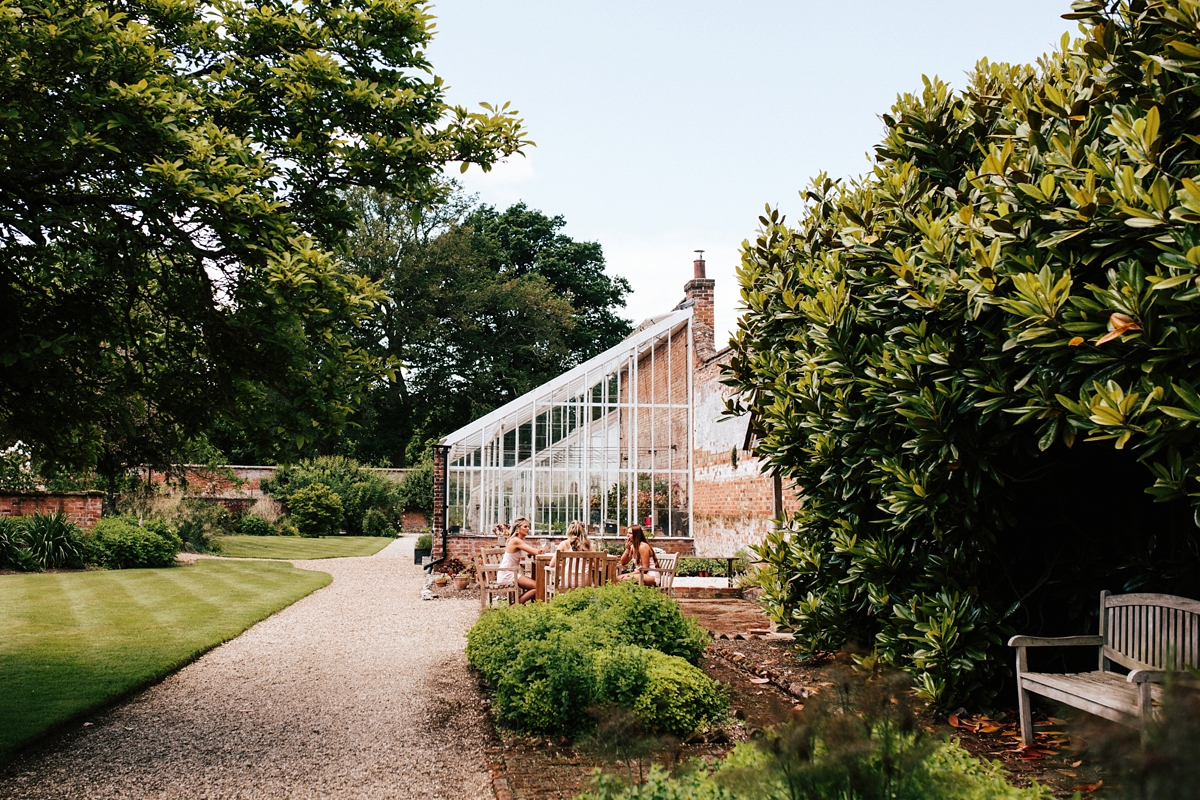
point(1056, 641)
point(1161, 676)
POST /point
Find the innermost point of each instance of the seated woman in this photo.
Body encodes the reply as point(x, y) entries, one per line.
point(510, 562)
point(639, 551)
point(577, 540)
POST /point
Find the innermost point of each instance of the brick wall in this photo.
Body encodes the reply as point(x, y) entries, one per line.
point(249, 478)
point(82, 507)
point(414, 521)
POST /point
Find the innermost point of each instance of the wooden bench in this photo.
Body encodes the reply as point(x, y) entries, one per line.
point(1154, 636)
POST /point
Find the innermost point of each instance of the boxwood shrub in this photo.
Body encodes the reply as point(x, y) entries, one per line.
point(120, 543)
point(619, 645)
point(635, 615)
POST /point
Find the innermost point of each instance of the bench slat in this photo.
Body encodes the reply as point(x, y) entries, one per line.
point(1090, 690)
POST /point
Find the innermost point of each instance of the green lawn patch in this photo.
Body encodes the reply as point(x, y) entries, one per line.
point(300, 548)
point(75, 641)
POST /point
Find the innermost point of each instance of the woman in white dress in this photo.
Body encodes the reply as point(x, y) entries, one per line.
point(510, 562)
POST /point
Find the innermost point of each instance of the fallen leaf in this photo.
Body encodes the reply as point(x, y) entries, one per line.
point(1075, 341)
point(989, 728)
point(760, 680)
point(1076, 763)
point(1066, 772)
point(1055, 721)
point(1087, 787)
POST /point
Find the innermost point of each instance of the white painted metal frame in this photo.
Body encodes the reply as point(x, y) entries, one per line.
point(608, 442)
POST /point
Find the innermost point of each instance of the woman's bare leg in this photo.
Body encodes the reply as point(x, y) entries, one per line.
point(526, 583)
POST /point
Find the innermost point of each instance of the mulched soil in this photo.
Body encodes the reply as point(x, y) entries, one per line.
point(766, 679)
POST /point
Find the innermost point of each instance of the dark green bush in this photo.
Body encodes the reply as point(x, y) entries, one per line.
point(416, 492)
point(637, 615)
point(424, 542)
point(975, 358)
point(120, 543)
point(252, 525)
point(315, 510)
point(689, 566)
point(370, 503)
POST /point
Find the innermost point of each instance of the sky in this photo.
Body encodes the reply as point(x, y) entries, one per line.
point(664, 127)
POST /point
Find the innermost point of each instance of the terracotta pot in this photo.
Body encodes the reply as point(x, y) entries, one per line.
point(461, 582)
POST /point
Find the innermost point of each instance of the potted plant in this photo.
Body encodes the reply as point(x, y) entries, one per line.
point(442, 579)
point(423, 548)
point(461, 580)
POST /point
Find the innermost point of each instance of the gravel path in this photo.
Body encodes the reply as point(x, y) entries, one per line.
point(359, 690)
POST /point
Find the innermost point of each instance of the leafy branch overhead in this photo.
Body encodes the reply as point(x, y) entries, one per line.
point(1018, 274)
point(173, 181)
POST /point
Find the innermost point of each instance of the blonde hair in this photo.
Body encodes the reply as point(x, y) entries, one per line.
point(577, 536)
point(517, 523)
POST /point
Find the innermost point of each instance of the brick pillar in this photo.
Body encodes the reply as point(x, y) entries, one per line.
point(440, 506)
point(699, 292)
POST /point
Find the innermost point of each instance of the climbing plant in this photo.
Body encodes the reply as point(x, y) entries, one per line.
point(974, 360)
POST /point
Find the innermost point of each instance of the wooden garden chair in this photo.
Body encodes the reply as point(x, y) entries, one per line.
point(574, 570)
point(489, 589)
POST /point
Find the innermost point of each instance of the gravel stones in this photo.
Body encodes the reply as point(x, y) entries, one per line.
point(359, 690)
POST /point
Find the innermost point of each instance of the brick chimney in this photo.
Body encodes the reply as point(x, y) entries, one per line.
point(698, 292)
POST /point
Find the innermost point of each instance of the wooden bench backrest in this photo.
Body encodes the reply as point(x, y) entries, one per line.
point(1150, 631)
point(576, 569)
point(491, 555)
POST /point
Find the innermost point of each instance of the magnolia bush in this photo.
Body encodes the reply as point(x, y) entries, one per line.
point(974, 360)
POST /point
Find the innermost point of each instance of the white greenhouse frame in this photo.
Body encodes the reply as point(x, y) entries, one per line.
point(608, 442)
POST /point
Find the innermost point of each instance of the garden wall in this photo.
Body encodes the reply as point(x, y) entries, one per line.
point(82, 507)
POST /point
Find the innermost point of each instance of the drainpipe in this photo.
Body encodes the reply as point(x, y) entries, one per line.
point(441, 500)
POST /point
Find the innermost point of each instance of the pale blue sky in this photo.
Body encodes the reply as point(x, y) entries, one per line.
point(663, 127)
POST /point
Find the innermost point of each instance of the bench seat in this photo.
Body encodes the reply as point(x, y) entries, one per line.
point(1105, 694)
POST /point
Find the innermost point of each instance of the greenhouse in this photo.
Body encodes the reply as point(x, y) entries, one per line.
point(608, 442)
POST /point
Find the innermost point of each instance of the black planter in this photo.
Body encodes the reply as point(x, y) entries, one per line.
point(420, 553)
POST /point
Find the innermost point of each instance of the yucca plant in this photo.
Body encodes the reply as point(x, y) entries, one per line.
point(52, 540)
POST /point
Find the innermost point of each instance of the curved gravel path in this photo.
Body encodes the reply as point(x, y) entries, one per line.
point(359, 690)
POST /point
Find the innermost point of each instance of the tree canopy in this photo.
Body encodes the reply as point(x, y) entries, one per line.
point(482, 306)
point(173, 181)
point(968, 358)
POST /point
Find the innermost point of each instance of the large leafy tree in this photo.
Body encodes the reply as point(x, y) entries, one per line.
point(172, 194)
point(483, 306)
point(978, 361)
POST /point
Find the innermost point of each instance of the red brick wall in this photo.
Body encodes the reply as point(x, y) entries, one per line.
point(414, 521)
point(82, 507)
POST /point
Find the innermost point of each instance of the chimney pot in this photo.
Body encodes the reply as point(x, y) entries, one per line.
point(698, 265)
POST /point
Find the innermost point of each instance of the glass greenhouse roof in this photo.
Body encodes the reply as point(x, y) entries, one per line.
point(608, 443)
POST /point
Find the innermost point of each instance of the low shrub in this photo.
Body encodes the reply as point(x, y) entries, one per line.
point(424, 542)
point(252, 525)
point(120, 543)
point(678, 697)
point(616, 646)
point(497, 638)
point(549, 685)
point(376, 523)
point(640, 616)
point(14, 547)
point(859, 739)
point(315, 510)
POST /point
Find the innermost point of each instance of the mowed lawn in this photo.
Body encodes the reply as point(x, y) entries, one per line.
point(74, 641)
point(300, 548)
